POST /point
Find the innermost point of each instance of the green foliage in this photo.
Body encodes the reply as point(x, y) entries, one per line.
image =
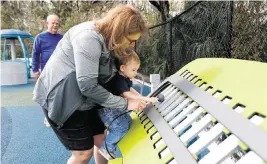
point(211, 29)
point(31, 16)
point(202, 32)
point(23, 15)
point(154, 58)
point(249, 30)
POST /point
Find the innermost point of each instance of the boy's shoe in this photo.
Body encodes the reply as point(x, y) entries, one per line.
point(105, 154)
point(46, 123)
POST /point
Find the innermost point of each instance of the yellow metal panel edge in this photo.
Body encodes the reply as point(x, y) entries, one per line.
point(213, 119)
point(264, 125)
point(195, 156)
point(161, 147)
point(136, 146)
point(226, 131)
point(242, 145)
point(167, 158)
point(233, 76)
point(147, 126)
point(115, 161)
point(194, 80)
point(154, 140)
point(151, 131)
point(232, 103)
point(247, 113)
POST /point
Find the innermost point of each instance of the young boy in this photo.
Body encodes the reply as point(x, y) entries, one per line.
point(121, 85)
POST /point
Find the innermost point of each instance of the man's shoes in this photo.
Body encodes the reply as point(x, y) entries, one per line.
point(105, 154)
point(46, 123)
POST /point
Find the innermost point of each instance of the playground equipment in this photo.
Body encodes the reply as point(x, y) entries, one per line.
point(214, 112)
point(14, 70)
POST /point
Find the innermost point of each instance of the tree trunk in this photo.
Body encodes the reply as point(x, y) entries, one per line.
point(163, 7)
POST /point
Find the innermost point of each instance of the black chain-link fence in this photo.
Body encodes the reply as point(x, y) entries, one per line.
point(206, 29)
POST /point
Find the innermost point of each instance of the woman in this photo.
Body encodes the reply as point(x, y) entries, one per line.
point(70, 91)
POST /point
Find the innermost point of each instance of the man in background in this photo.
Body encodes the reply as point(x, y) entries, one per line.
point(44, 45)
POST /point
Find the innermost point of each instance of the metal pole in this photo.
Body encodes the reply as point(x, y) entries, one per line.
point(13, 49)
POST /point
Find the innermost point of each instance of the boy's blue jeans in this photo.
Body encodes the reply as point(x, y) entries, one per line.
point(117, 129)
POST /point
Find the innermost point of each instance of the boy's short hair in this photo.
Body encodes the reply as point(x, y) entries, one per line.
point(130, 55)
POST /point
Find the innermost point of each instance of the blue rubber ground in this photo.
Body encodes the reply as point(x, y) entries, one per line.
point(26, 140)
point(24, 137)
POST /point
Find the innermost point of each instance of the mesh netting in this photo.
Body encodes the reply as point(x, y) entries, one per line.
point(206, 29)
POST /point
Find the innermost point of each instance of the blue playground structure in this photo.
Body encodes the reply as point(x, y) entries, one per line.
point(12, 64)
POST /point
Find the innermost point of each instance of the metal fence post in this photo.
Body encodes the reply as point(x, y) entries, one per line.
point(155, 81)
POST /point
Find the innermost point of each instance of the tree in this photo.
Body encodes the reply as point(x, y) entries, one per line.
point(249, 30)
point(163, 7)
point(201, 31)
point(23, 15)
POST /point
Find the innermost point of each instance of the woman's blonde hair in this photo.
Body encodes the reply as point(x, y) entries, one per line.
point(120, 22)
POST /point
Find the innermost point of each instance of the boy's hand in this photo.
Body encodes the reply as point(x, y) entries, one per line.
point(152, 99)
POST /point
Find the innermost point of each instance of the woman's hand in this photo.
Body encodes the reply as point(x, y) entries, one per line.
point(136, 105)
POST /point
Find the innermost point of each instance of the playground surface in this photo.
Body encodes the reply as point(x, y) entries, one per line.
point(24, 137)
